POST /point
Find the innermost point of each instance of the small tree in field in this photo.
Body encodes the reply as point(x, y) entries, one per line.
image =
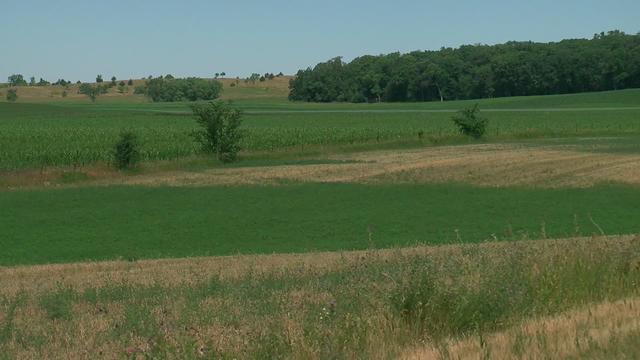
point(99, 79)
point(12, 95)
point(220, 133)
point(470, 123)
point(125, 152)
point(91, 91)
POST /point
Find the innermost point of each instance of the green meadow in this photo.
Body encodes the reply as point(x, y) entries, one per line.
point(34, 135)
point(88, 224)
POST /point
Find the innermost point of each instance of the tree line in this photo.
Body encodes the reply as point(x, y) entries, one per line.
point(608, 61)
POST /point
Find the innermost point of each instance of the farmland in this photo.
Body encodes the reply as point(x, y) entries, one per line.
point(343, 231)
point(77, 134)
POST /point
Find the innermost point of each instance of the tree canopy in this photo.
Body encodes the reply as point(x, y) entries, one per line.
point(608, 61)
point(189, 89)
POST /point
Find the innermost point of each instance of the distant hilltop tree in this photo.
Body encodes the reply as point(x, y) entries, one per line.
point(609, 61)
point(113, 81)
point(32, 81)
point(99, 79)
point(43, 82)
point(130, 83)
point(189, 89)
point(17, 80)
point(92, 91)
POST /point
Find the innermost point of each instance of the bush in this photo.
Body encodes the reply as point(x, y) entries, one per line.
point(126, 152)
point(221, 133)
point(91, 91)
point(470, 123)
point(190, 89)
point(12, 95)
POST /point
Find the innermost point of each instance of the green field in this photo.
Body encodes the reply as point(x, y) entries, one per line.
point(56, 226)
point(186, 257)
point(77, 134)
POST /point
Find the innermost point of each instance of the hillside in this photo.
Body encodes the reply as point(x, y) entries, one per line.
point(275, 88)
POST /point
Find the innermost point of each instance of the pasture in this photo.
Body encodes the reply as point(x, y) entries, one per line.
point(344, 231)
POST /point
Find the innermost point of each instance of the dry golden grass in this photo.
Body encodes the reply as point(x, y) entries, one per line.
point(275, 88)
point(159, 308)
point(485, 165)
point(564, 336)
point(172, 272)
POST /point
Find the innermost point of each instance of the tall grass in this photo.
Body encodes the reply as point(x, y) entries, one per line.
point(373, 304)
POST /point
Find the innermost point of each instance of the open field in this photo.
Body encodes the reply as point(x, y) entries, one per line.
point(41, 135)
point(534, 299)
point(106, 223)
point(345, 231)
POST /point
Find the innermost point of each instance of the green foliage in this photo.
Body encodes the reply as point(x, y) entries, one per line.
point(99, 79)
point(470, 123)
point(17, 80)
point(189, 89)
point(514, 285)
point(12, 95)
point(126, 152)
point(607, 62)
point(122, 88)
point(58, 304)
point(220, 129)
point(91, 91)
point(130, 82)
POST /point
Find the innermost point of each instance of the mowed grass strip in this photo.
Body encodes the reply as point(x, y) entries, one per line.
point(57, 226)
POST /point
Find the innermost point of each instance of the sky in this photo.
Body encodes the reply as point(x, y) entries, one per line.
point(76, 40)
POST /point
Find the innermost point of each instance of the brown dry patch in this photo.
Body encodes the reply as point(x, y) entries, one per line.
point(191, 271)
point(563, 336)
point(485, 165)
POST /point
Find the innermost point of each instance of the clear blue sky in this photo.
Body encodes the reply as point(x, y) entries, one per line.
point(76, 40)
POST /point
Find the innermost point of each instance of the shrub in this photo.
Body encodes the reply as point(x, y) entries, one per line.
point(12, 95)
point(190, 89)
point(91, 91)
point(470, 123)
point(126, 152)
point(140, 90)
point(221, 133)
point(130, 82)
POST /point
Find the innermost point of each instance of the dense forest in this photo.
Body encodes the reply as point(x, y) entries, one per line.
point(608, 61)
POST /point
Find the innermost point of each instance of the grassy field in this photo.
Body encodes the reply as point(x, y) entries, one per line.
point(541, 299)
point(140, 222)
point(346, 230)
point(68, 134)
